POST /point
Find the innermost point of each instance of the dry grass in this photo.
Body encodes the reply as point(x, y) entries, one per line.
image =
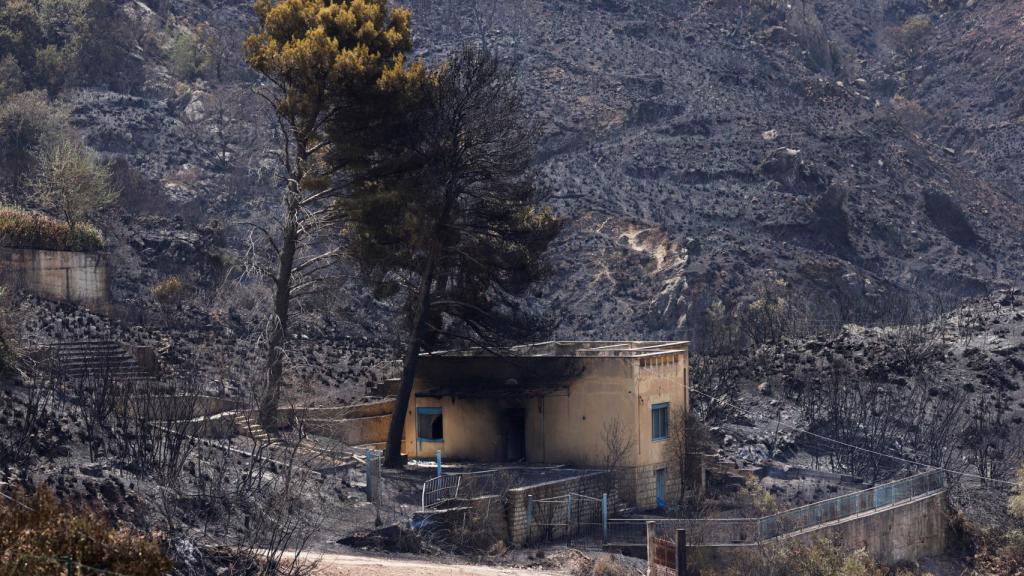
point(40, 537)
point(169, 290)
point(609, 565)
point(24, 229)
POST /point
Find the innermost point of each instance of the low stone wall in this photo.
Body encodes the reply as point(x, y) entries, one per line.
point(352, 432)
point(78, 277)
point(592, 484)
point(904, 533)
point(474, 524)
point(637, 486)
point(167, 407)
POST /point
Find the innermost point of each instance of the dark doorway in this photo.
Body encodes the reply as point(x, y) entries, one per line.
point(514, 426)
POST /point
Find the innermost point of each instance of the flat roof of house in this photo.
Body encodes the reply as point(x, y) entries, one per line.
point(574, 349)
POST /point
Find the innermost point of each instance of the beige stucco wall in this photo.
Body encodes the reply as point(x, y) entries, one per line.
point(660, 380)
point(563, 425)
point(470, 430)
point(77, 277)
point(568, 426)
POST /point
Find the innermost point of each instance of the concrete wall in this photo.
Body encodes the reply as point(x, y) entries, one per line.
point(77, 277)
point(352, 431)
point(905, 533)
point(166, 407)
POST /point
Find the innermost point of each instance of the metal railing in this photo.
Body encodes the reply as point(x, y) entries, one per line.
point(722, 531)
point(466, 485)
point(440, 489)
point(447, 487)
point(577, 519)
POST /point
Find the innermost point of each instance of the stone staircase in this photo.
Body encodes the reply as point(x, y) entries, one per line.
point(247, 423)
point(307, 453)
point(97, 358)
point(386, 381)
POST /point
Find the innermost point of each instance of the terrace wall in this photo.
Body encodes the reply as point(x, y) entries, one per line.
point(77, 277)
point(906, 532)
point(593, 484)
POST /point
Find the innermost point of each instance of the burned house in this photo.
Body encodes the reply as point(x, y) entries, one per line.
point(580, 404)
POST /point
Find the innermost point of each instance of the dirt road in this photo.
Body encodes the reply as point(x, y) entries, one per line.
point(346, 565)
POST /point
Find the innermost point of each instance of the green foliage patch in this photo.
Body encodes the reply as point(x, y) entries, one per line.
point(52, 44)
point(23, 229)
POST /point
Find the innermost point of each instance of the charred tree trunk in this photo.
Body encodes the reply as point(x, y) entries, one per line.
point(393, 449)
point(271, 397)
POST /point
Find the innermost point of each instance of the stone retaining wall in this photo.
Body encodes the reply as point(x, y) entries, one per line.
point(78, 277)
point(592, 484)
point(907, 532)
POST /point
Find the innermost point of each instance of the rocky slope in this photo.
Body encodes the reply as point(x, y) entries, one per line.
point(700, 150)
point(702, 147)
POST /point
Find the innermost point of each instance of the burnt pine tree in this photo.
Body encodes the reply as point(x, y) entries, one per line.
point(321, 60)
point(449, 218)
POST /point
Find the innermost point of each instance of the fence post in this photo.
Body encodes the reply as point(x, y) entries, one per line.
point(437, 458)
point(69, 565)
point(369, 475)
point(681, 568)
point(604, 518)
point(651, 559)
point(568, 515)
point(529, 514)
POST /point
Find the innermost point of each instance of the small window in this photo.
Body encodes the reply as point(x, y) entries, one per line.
point(659, 421)
point(429, 425)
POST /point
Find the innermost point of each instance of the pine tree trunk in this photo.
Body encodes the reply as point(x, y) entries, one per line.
point(271, 396)
point(393, 448)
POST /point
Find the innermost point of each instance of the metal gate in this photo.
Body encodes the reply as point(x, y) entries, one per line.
point(573, 518)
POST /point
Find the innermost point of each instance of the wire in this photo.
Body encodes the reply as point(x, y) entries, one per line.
point(852, 446)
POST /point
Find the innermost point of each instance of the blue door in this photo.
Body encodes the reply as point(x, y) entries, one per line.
point(659, 488)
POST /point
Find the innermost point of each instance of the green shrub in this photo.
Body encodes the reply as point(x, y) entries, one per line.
point(1001, 553)
point(35, 540)
point(23, 229)
point(188, 56)
point(78, 42)
point(12, 80)
point(72, 181)
point(54, 65)
point(27, 122)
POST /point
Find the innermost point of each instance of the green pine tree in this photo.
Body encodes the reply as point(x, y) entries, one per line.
point(448, 216)
point(322, 61)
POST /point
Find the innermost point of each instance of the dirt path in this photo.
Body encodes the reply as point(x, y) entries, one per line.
point(346, 565)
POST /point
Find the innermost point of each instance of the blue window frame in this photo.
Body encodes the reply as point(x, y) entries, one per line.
point(659, 422)
point(429, 425)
